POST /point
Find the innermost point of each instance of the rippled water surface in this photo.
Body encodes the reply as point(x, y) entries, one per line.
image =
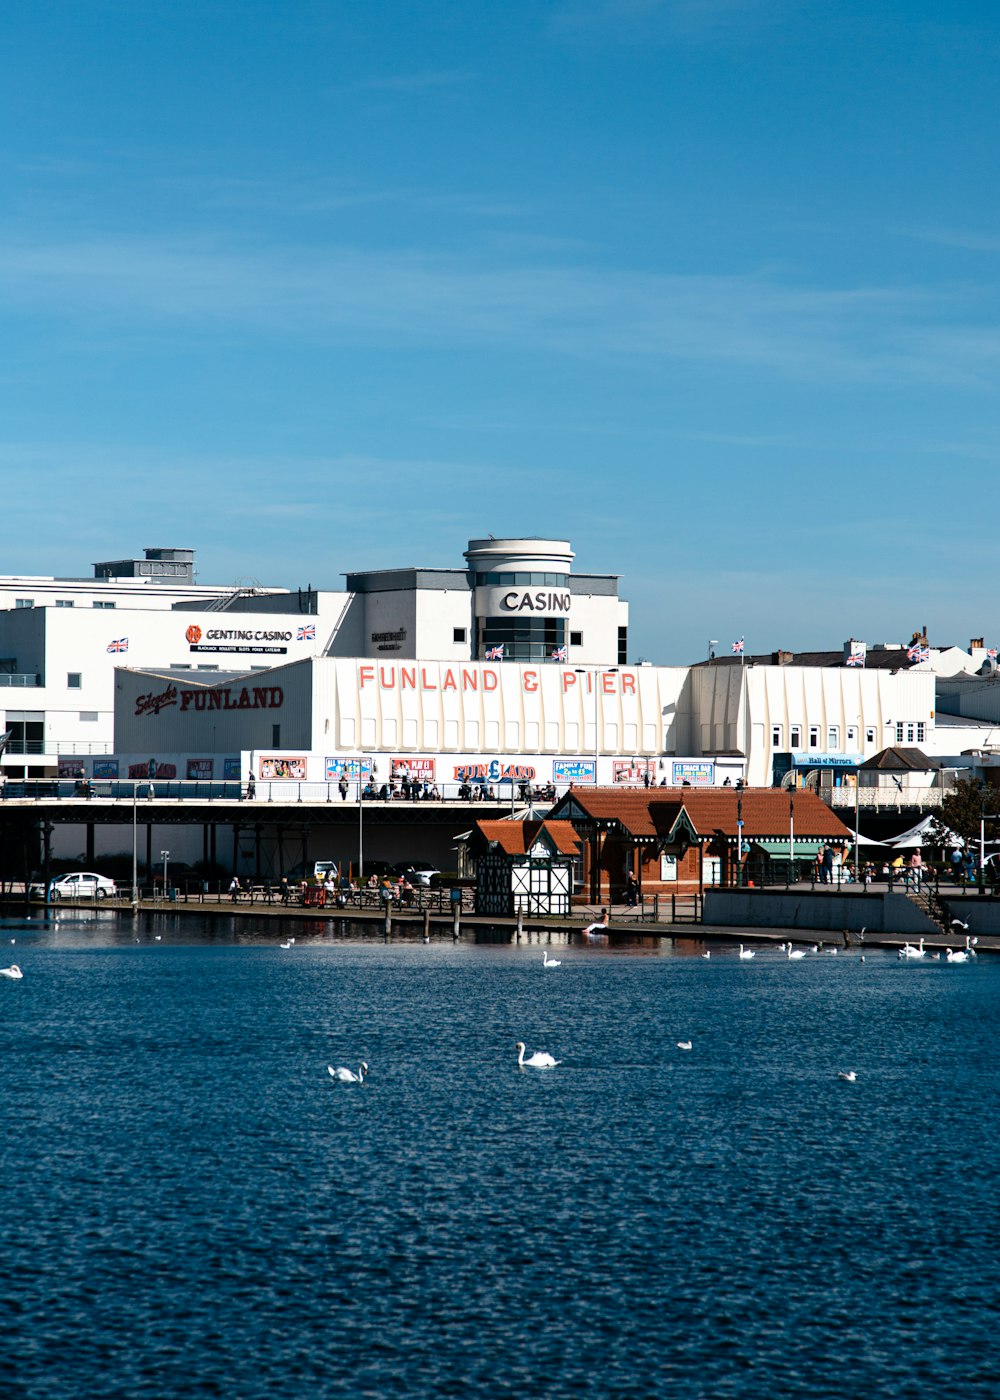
point(193, 1207)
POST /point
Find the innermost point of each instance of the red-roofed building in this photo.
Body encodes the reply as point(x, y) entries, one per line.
point(524, 865)
point(682, 839)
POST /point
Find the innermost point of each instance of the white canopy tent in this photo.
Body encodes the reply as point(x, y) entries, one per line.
point(930, 831)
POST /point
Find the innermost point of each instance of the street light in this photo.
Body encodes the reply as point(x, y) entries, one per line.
point(597, 671)
point(361, 808)
point(135, 829)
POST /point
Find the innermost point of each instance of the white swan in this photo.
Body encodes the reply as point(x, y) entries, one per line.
point(849, 1075)
point(288, 944)
point(795, 952)
point(13, 972)
point(958, 955)
point(707, 953)
point(347, 1076)
point(746, 953)
point(684, 1045)
point(539, 1060)
point(910, 952)
point(550, 962)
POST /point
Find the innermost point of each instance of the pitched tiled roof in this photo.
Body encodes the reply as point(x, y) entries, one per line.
point(897, 759)
point(517, 838)
point(652, 812)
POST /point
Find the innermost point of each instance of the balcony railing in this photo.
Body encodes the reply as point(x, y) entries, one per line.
point(58, 746)
point(876, 799)
point(20, 678)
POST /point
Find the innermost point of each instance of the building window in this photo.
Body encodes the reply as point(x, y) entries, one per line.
point(458, 634)
point(74, 680)
point(576, 639)
point(623, 646)
point(852, 736)
point(64, 602)
point(870, 734)
point(275, 736)
point(909, 732)
point(814, 736)
point(899, 733)
point(104, 605)
point(24, 602)
point(776, 736)
point(921, 733)
point(795, 736)
point(833, 738)
point(523, 639)
point(88, 716)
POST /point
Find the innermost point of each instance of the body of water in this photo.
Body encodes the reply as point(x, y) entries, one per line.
point(194, 1207)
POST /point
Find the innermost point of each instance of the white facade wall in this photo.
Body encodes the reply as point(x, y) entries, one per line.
point(760, 710)
point(438, 613)
point(351, 707)
point(58, 642)
point(158, 713)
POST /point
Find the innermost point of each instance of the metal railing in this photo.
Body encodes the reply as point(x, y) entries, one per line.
point(20, 678)
point(870, 799)
point(235, 790)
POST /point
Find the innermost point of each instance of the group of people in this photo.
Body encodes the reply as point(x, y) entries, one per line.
point(399, 789)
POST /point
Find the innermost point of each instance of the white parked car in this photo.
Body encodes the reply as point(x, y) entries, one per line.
point(78, 884)
point(418, 872)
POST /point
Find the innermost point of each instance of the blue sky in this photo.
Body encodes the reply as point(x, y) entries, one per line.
point(708, 287)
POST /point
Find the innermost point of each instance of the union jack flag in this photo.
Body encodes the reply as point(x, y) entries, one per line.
point(559, 654)
point(119, 644)
point(307, 633)
point(856, 658)
point(495, 653)
point(917, 652)
point(738, 646)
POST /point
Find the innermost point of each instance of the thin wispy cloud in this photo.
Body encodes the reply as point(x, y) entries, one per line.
point(342, 295)
point(432, 81)
point(632, 21)
point(954, 238)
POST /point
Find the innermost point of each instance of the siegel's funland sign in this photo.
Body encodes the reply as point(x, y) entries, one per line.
point(225, 697)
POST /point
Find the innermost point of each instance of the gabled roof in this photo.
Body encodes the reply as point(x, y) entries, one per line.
point(517, 838)
point(649, 813)
point(900, 760)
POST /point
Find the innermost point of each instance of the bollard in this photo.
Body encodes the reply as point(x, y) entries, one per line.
point(388, 919)
point(427, 925)
point(520, 922)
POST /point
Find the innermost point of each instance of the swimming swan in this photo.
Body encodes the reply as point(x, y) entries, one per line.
point(958, 954)
point(684, 1045)
point(795, 952)
point(550, 962)
point(910, 952)
point(13, 972)
point(850, 1076)
point(539, 1060)
point(347, 1076)
point(747, 952)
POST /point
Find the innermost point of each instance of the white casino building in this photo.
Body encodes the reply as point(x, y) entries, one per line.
point(511, 668)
